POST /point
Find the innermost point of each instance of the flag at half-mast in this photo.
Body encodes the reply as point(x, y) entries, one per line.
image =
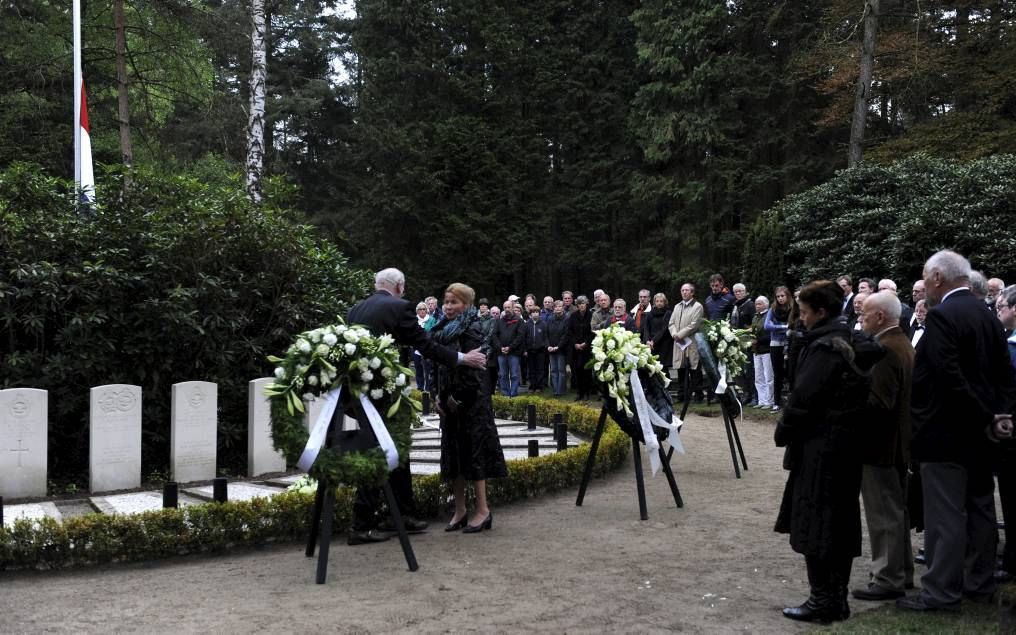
point(83, 175)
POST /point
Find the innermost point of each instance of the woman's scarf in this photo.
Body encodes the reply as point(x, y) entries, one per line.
point(781, 312)
point(447, 331)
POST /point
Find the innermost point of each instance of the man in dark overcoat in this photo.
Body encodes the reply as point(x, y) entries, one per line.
point(386, 312)
point(885, 452)
point(963, 394)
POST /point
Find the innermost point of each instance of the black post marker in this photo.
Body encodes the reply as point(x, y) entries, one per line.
point(534, 448)
point(170, 495)
point(425, 400)
point(531, 416)
point(219, 494)
point(562, 436)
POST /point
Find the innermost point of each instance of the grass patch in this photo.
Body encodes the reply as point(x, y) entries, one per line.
point(973, 618)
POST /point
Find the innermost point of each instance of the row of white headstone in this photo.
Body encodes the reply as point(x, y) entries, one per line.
point(115, 436)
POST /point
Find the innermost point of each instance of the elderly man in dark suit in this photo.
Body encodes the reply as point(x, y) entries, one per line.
point(885, 452)
point(963, 394)
point(386, 312)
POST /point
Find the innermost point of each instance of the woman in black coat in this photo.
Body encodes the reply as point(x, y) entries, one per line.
point(580, 337)
point(820, 508)
point(655, 331)
point(470, 448)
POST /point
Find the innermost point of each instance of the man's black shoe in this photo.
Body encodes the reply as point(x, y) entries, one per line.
point(875, 593)
point(413, 525)
point(916, 603)
point(369, 536)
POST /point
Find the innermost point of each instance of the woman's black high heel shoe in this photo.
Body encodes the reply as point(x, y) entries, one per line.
point(457, 525)
point(488, 523)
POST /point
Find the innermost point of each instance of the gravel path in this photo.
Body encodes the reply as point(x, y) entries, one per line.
point(713, 567)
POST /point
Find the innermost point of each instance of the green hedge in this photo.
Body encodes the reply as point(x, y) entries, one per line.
point(212, 527)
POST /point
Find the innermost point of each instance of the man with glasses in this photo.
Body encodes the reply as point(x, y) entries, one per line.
point(640, 308)
point(906, 313)
point(995, 287)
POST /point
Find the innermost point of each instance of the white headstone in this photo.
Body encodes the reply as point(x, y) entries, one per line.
point(261, 455)
point(193, 431)
point(24, 431)
point(114, 438)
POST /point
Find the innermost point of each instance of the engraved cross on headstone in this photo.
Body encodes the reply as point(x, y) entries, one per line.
point(19, 450)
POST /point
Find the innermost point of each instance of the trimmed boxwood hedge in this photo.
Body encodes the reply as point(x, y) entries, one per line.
point(212, 527)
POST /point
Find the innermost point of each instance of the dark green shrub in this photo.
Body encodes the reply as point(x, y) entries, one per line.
point(885, 220)
point(177, 280)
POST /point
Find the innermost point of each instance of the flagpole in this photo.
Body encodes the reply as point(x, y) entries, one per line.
point(76, 10)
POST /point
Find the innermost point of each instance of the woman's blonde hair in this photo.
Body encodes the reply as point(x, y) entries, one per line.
point(463, 292)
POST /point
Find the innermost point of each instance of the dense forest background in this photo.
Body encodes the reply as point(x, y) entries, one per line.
point(516, 145)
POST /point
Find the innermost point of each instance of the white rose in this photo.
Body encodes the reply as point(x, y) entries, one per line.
point(303, 345)
point(340, 329)
point(375, 363)
point(611, 344)
point(609, 375)
point(330, 339)
point(400, 380)
point(280, 372)
point(599, 355)
point(598, 365)
point(322, 349)
point(362, 364)
point(350, 349)
point(312, 380)
point(387, 372)
point(366, 376)
point(315, 336)
point(376, 394)
point(351, 337)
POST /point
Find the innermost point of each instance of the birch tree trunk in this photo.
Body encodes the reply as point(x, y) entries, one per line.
point(256, 120)
point(863, 92)
point(123, 106)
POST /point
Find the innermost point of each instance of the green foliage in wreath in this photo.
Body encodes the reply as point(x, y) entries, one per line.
point(349, 357)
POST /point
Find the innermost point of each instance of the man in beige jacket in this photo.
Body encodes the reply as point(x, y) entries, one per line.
point(684, 323)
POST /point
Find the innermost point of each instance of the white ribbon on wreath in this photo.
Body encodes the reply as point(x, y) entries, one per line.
point(648, 418)
point(320, 431)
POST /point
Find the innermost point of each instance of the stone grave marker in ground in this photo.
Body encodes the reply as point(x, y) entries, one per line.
point(23, 442)
point(262, 457)
point(193, 431)
point(114, 438)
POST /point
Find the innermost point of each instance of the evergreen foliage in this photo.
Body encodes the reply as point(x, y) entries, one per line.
point(524, 146)
point(885, 220)
point(178, 280)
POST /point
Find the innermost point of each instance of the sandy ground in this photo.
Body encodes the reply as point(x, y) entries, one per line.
point(714, 566)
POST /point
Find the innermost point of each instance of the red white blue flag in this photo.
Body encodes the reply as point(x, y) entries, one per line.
point(83, 175)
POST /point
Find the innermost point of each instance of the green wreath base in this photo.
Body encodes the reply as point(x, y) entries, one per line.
point(358, 468)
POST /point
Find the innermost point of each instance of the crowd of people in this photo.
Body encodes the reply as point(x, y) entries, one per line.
point(896, 405)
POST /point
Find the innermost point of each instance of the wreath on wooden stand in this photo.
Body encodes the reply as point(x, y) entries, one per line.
point(350, 358)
